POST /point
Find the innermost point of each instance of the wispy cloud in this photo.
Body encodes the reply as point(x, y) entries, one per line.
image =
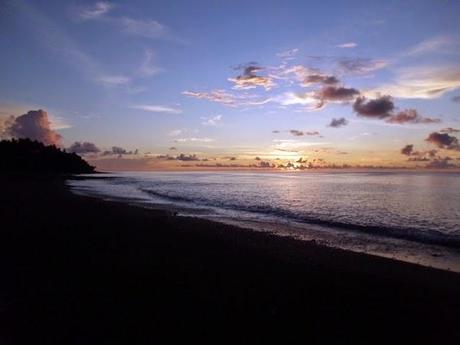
point(194, 140)
point(148, 67)
point(293, 145)
point(347, 45)
point(228, 99)
point(97, 10)
point(422, 82)
point(288, 54)
point(219, 96)
point(432, 45)
point(176, 132)
point(113, 80)
point(157, 108)
point(212, 120)
point(361, 65)
point(147, 28)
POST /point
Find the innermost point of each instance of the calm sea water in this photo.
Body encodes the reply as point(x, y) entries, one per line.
point(408, 216)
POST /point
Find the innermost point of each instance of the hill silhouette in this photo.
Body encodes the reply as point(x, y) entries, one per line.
point(25, 155)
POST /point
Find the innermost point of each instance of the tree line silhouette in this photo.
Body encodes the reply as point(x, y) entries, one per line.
point(25, 155)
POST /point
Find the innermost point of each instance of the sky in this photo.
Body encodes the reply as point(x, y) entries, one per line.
point(147, 85)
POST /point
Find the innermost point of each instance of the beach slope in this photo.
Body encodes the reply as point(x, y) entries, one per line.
point(78, 270)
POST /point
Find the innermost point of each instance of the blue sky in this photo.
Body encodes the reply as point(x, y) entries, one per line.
point(150, 75)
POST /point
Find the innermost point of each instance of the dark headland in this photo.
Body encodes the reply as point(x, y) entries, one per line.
point(78, 270)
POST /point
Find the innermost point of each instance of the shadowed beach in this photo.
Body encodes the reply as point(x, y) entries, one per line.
point(78, 270)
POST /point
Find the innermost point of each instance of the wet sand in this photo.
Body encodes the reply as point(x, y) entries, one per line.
point(79, 270)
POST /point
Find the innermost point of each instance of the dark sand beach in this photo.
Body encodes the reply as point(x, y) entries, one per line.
point(78, 270)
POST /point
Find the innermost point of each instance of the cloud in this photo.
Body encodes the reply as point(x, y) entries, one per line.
point(181, 157)
point(147, 68)
point(436, 44)
point(441, 163)
point(456, 99)
point(360, 65)
point(335, 94)
point(407, 150)
point(449, 130)
point(185, 158)
point(336, 123)
point(119, 151)
point(423, 82)
point(228, 99)
point(250, 80)
point(83, 148)
point(347, 45)
point(158, 109)
point(410, 116)
point(34, 125)
point(147, 28)
point(212, 120)
point(443, 141)
point(298, 133)
point(288, 54)
point(113, 80)
point(300, 72)
point(95, 11)
point(219, 96)
point(293, 145)
point(291, 98)
point(173, 148)
point(320, 79)
point(176, 132)
point(380, 107)
point(193, 139)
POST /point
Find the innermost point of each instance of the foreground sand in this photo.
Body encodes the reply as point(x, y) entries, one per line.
point(77, 270)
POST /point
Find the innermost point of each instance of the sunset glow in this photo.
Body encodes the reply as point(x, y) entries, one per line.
point(156, 86)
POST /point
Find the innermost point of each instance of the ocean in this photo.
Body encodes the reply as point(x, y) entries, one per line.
point(408, 216)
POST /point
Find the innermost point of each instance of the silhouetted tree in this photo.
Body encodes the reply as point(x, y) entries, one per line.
point(25, 155)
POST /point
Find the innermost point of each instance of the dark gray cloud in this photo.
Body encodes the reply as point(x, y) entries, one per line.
point(298, 133)
point(83, 148)
point(118, 151)
point(407, 150)
point(185, 158)
point(418, 156)
point(449, 130)
point(443, 141)
point(335, 94)
point(181, 157)
point(441, 163)
point(320, 79)
point(384, 108)
point(360, 65)
point(410, 116)
point(172, 148)
point(456, 99)
point(381, 107)
point(336, 123)
point(34, 125)
point(264, 164)
point(249, 78)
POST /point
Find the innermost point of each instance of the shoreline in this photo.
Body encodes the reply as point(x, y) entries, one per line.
point(394, 244)
point(75, 265)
